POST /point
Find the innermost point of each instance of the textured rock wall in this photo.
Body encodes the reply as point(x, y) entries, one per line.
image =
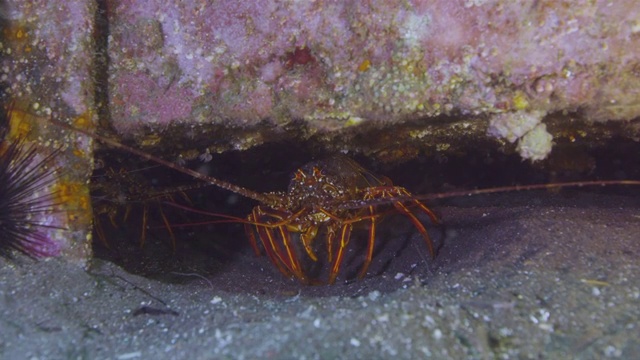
point(335, 64)
point(46, 65)
point(391, 79)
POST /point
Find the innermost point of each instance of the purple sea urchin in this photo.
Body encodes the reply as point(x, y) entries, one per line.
point(24, 200)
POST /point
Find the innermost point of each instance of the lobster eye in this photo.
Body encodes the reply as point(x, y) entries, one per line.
point(299, 175)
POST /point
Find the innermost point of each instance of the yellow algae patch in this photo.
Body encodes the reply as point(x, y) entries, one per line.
point(73, 196)
point(20, 124)
point(18, 35)
point(16, 32)
point(151, 140)
point(364, 65)
point(83, 121)
point(520, 101)
point(353, 120)
point(79, 153)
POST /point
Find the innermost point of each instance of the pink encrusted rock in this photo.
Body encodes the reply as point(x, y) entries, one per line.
point(372, 60)
point(153, 103)
point(46, 70)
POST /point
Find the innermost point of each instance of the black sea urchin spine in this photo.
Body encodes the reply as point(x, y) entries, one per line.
point(25, 198)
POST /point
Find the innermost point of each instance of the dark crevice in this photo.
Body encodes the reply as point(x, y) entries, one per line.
point(101, 64)
point(221, 251)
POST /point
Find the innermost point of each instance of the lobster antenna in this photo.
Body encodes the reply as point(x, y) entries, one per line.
point(355, 204)
point(267, 199)
point(575, 184)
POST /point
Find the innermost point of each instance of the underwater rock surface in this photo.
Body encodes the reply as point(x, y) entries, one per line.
point(333, 65)
point(390, 80)
point(520, 275)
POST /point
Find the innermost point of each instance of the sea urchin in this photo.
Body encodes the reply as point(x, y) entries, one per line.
point(25, 200)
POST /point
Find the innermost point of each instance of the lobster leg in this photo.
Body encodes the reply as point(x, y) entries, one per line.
point(371, 243)
point(286, 261)
point(404, 210)
point(268, 242)
point(275, 236)
point(422, 206)
point(169, 230)
point(100, 232)
point(294, 264)
point(249, 231)
point(427, 211)
point(331, 235)
point(345, 235)
point(273, 251)
point(143, 234)
point(307, 237)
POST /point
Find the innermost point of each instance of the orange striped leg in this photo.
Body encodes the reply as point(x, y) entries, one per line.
point(403, 209)
point(422, 207)
point(345, 235)
point(169, 230)
point(372, 238)
point(273, 251)
point(268, 243)
point(97, 225)
point(249, 231)
point(286, 261)
point(331, 235)
point(294, 264)
point(143, 235)
point(307, 238)
point(428, 211)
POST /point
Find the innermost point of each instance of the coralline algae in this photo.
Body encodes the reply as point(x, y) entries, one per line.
point(386, 60)
point(322, 66)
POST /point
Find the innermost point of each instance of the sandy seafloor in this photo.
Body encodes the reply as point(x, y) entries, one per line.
point(531, 275)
